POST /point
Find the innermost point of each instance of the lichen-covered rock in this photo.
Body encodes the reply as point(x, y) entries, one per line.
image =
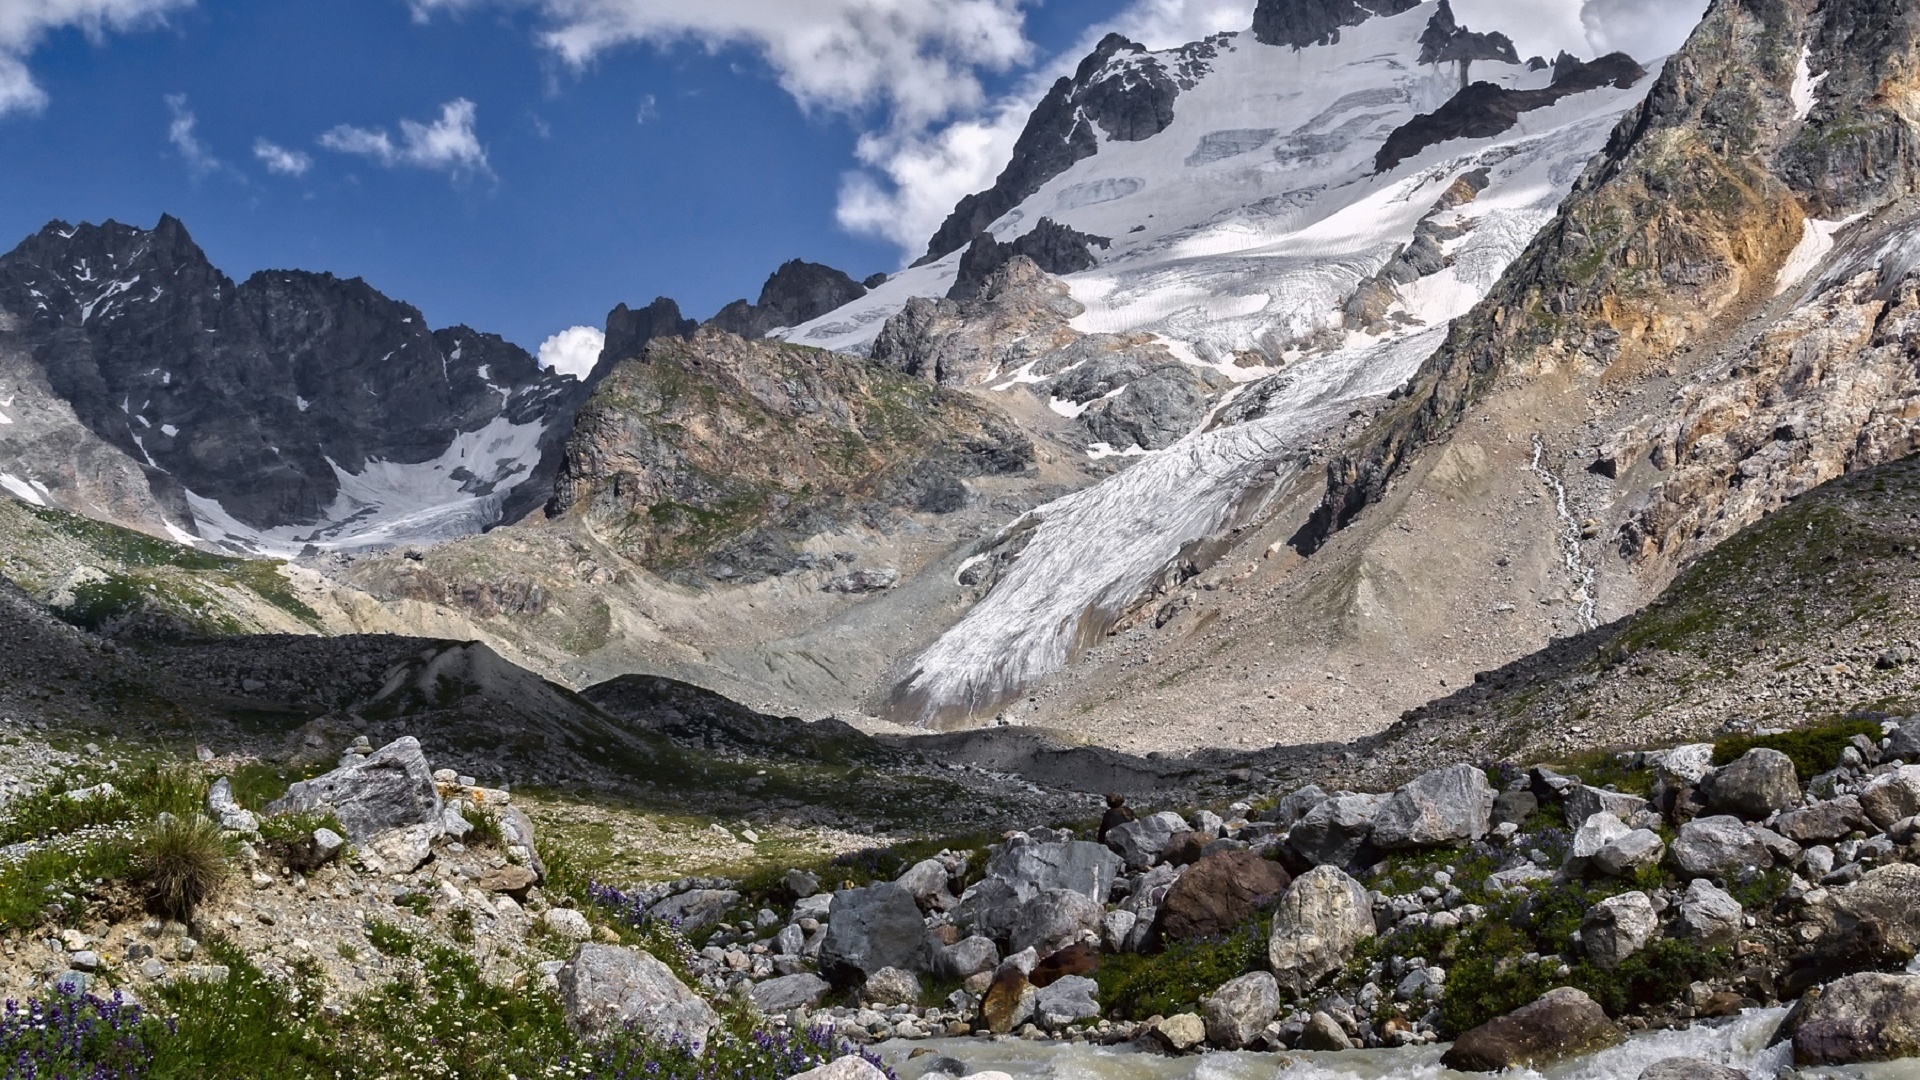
point(1861, 1018)
point(1709, 914)
point(1759, 783)
point(390, 788)
point(875, 927)
point(1318, 923)
point(1241, 1009)
point(891, 986)
point(1823, 822)
point(1562, 1023)
point(1054, 920)
point(1624, 856)
point(1181, 1032)
point(605, 989)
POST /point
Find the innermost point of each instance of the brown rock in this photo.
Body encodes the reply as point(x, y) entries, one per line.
point(515, 881)
point(1220, 893)
point(1561, 1024)
point(1871, 1017)
point(1078, 959)
point(1009, 1001)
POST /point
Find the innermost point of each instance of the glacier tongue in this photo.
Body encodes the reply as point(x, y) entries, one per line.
point(1252, 244)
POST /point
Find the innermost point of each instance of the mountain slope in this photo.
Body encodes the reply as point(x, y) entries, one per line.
point(288, 412)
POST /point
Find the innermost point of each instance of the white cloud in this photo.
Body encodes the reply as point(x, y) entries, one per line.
point(25, 23)
point(448, 144)
point(279, 159)
point(649, 109)
point(1643, 28)
point(200, 160)
point(914, 59)
point(572, 351)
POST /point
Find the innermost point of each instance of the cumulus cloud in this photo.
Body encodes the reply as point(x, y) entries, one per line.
point(572, 351)
point(917, 60)
point(279, 159)
point(180, 132)
point(23, 25)
point(448, 144)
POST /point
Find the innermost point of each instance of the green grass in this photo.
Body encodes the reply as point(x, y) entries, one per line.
point(1139, 985)
point(181, 860)
point(1814, 749)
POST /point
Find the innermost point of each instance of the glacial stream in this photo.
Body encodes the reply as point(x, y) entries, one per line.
point(1740, 1042)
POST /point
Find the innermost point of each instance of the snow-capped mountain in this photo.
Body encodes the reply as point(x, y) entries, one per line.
point(1299, 210)
point(291, 412)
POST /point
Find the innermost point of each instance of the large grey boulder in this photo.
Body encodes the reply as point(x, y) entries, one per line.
point(694, 909)
point(872, 928)
point(1861, 1018)
point(1709, 914)
point(1892, 797)
point(226, 811)
point(1022, 870)
point(1141, 842)
point(789, 992)
point(604, 989)
point(1759, 783)
point(1054, 920)
point(1873, 922)
point(927, 881)
point(1624, 856)
point(1335, 831)
point(1316, 926)
point(1241, 1009)
point(1718, 846)
point(1904, 743)
point(1823, 822)
point(1445, 806)
point(968, 956)
point(1067, 1000)
point(390, 788)
point(1294, 805)
point(1594, 832)
point(1560, 1024)
point(1583, 802)
point(1685, 765)
point(1617, 927)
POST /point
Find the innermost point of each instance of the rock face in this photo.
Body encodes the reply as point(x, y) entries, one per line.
point(1563, 1023)
point(605, 988)
point(1483, 110)
point(628, 331)
point(274, 399)
point(1442, 807)
point(1303, 23)
point(1755, 786)
point(1119, 90)
point(723, 456)
point(872, 928)
point(1316, 926)
point(1241, 1009)
point(1860, 1018)
point(797, 292)
point(389, 789)
point(1218, 893)
point(1053, 248)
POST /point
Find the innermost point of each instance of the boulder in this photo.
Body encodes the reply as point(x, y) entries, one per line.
point(1241, 1009)
point(566, 924)
point(1759, 783)
point(1562, 1023)
point(1219, 893)
point(851, 1067)
point(1583, 802)
point(1140, 842)
point(891, 986)
point(1181, 1032)
point(1593, 833)
point(1709, 914)
point(694, 909)
point(1685, 765)
point(968, 956)
point(390, 788)
point(1022, 870)
point(1067, 1000)
point(1009, 1000)
point(403, 850)
point(1514, 806)
point(1054, 920)
point(1624, 856)
point(1717, 847)
point(1335, 831)
point(1116, 929)
point(604, 989)
point(516, 836)
point(1892, 797)
point(1823, 822)
point(1445, 806)
point(1324, 1033)
point(927, 881)
point(1691, 1069)
point(1082, 959)
point(1861, 1018)
point(1904, 743)
point(1873, 922)
point(789, 992)
point(226, 811)
point(1294, 806)
point(1618, 927)
point(802, 884)
point(872, 928)
point(1322, 917)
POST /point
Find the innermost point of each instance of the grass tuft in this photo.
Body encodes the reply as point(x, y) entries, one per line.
point(181, 861)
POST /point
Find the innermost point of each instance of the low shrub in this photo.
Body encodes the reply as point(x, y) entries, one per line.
point(1814, 749)
point(181, 860)
point(1136, 985)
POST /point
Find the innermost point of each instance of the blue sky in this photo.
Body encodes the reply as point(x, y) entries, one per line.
point(523, 165)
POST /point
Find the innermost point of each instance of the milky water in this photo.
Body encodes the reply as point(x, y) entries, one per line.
point(1740, 1042)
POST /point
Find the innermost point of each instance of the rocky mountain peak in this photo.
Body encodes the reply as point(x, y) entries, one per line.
point(1303, 23)
point(1446, 41)
point(629, 330)
point(795, 293)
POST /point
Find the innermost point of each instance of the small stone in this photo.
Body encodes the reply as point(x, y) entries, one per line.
point(566, 924)
point(1181, 1032)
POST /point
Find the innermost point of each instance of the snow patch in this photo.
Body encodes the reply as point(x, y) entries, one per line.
point(20, 489)
point(169, 430)
point(1816, 243)
point(301, 403)
point(5, 419)
point(1805, 84)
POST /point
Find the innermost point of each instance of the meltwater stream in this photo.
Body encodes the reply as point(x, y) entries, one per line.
point(1740, 1042)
